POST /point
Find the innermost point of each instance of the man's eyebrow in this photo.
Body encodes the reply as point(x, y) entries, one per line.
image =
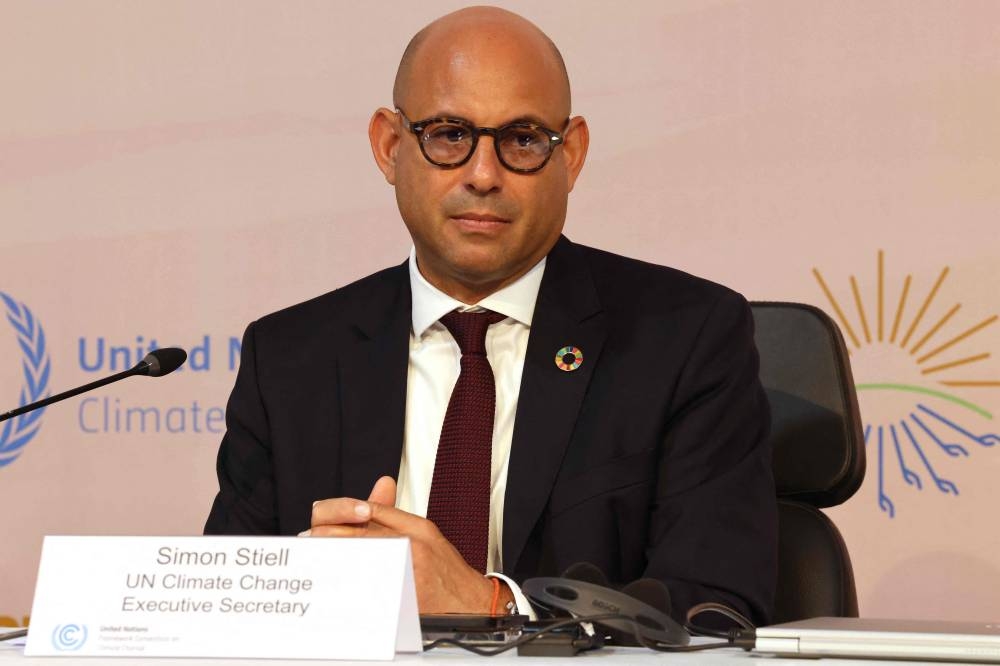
point(530, 119)
point(453, 116)
point(534, 120)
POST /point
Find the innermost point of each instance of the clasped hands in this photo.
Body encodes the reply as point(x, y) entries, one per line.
point(445, 582)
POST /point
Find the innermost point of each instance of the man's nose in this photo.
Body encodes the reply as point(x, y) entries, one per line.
point(485, 173)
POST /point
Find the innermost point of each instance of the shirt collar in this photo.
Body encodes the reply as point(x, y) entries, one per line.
point(516, 300)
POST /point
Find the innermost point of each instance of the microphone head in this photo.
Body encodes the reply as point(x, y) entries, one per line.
point(161, 362)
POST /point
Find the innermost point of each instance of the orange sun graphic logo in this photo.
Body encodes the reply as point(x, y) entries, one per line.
point(921, 373)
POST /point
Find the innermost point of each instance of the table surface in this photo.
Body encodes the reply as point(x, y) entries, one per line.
point(12, 652)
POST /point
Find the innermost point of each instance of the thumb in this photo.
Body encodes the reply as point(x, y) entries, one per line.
point(384, 492)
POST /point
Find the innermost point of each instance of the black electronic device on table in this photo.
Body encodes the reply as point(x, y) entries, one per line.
point(472, 628)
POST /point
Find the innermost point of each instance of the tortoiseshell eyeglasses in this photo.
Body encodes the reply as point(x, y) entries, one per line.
point(522, 147)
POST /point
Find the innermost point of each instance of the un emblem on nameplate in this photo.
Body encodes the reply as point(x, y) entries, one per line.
point(69, 637)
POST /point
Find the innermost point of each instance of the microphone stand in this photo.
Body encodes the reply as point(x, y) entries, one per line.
point(157, 363)
point(138, 369)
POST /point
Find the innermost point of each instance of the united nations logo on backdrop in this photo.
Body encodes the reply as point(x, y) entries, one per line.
point(34, 367)
point(924, 378)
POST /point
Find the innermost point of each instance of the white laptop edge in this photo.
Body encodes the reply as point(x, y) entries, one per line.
point(883, 639)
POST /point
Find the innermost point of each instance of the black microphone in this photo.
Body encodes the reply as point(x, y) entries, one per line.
point(161, 362)
point(156, 363)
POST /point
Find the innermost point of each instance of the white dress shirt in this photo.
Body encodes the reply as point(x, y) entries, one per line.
point(432, 373)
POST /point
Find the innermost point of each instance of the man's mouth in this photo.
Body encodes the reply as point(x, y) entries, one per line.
point(479, 217)
point(479, 223)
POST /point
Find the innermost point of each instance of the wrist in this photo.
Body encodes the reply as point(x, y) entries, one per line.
point(507, 602)
point(502, 599)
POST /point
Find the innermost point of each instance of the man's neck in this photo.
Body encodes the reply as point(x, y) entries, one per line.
point(469, 293)
point(515, 299)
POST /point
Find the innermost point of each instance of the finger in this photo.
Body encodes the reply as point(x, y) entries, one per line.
point(402, 522)
point(384, 491)
point(352, 531)
point(340, 511)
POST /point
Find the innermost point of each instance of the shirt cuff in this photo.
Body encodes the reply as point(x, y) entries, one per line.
point(521, 601)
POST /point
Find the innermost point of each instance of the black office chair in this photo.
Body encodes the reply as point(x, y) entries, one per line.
point(819, 455)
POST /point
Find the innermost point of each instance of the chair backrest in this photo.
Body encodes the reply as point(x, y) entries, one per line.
point(819, 455)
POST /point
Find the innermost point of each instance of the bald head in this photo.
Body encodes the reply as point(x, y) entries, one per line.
point(489, 32)
point(480, 224)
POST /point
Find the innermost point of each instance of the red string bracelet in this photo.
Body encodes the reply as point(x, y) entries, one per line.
point(496, 596)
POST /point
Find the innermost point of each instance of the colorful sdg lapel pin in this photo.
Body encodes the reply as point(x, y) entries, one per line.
point(569, 358)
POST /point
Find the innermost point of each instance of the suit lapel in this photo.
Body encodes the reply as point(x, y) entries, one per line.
point(567, 313)
point(372, 380)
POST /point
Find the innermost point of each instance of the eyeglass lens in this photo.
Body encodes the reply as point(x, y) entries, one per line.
point(519, 146)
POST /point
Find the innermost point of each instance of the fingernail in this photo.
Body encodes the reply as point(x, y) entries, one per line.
point(315, 503)
point(305, 533)
point(362, 510)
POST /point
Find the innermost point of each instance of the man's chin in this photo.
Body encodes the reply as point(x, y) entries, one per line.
point(480, 273)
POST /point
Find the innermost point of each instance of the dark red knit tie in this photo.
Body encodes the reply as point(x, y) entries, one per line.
point(460, 492)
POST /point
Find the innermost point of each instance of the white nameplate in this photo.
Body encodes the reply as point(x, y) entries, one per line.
point(266, 597)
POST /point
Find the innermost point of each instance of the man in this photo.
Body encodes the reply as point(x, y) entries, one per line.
point(624, 421)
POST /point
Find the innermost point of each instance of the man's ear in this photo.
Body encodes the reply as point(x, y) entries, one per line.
point(575, 143)
point(383, 133)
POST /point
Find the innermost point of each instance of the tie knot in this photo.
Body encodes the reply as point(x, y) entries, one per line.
point(469, 329)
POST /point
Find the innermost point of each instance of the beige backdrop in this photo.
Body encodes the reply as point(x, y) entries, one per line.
point(171, 171)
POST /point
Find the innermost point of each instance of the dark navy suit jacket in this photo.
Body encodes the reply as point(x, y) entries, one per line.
point(650, 460)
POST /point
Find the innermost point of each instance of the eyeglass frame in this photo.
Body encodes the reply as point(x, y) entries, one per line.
point(555, 139)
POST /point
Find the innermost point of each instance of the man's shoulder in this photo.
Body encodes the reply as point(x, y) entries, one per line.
point(648, 283)
point(358, 301)
point(660, 305)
